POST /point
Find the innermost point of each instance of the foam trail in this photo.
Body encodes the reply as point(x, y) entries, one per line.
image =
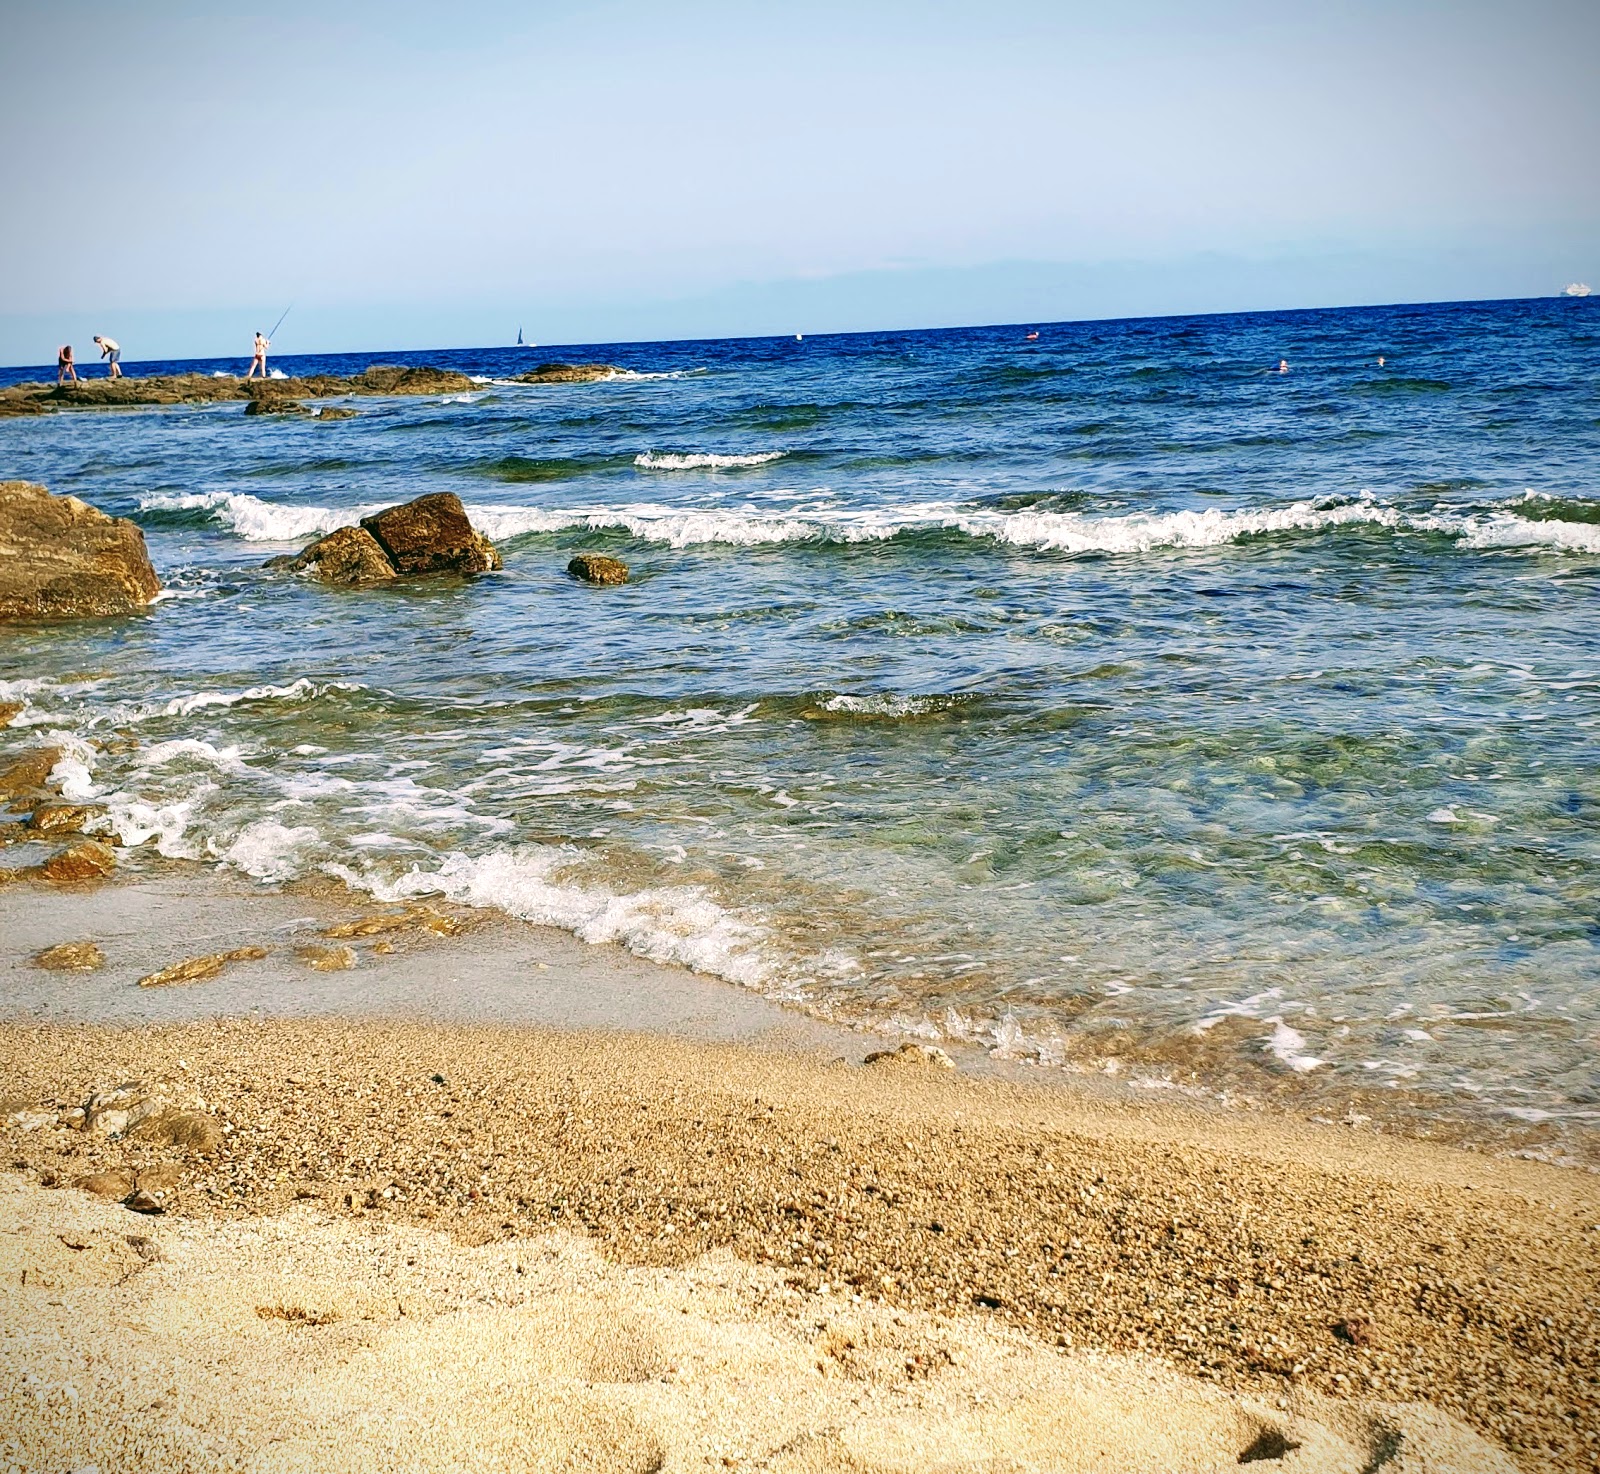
point(650, 461)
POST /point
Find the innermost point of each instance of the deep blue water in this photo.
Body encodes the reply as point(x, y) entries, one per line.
point(1111, 698)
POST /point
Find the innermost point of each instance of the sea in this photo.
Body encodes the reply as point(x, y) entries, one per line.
point(1108, 698)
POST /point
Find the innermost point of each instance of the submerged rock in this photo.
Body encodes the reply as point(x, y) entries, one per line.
point(200, 969)
point(351, 555)
point(10, 709)
point(326, 959)
point(569, 373)
point(70, 957)
point(333, 412)
point(597, 568)
point(62, 559)
point(275, 405)
point(63, 818)
point(432, 535)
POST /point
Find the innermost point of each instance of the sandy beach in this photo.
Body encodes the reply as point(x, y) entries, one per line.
point(714, 1245)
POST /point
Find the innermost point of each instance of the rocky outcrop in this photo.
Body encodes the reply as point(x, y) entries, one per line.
point(350, 555)
point(333, 412)
point(388, 378)
point(597, 568)
point(429, 535)
point(61, 558)
point(569, 373)
point(128, 392)
point(275, 404)
point(432, 535)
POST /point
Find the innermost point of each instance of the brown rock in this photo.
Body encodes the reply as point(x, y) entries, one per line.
point(115, 1184)
point(63, 818)
point(569, 373)
point(350, 556)
point(326, 959)
point(389, 378)
point(61, 558)
point(597, 568)
point(10, 709)
point(913, 1054)
point(334, 412)
point(86, 860)
point(12, 832)
point(70, 957)
point(275, 404)
point(432, 535)
point(143, 1201)
point(13, 403)
point(200, 969)
point(29, 772)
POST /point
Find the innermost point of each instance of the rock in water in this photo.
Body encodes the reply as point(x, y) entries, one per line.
point(597, 568)
point(432, 535)
point(62, 559)
point(351, 555)
point(275, 405)
point(87, 860)
point(569, 373)
point(70, 957)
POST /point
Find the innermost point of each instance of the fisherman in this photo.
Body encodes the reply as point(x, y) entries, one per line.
point(65, 367)
point(260, 359)
point(112, 350)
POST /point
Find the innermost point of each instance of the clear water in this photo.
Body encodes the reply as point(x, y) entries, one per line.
point(1111, 699)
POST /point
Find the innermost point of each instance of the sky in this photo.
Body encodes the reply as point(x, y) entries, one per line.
point(414, 176)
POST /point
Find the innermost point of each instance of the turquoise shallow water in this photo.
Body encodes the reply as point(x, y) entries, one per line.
point(1110, 699)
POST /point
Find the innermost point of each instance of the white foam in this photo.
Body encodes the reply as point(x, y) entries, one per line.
point(680, 925)
point(72, 775)
point(276, 374)
point(135, 821)
point(183, 706)
point(267, 849)
point(253, 519)
point(1288, 1045)
point(1519, 532)
point(650, 461)
point(886, 705)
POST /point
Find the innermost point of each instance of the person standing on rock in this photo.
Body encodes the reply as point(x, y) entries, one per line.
point(260, 359)
point(65, 367)
point(111, 349)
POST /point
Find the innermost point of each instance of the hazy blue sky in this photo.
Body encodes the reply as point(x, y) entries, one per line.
point(436, 175)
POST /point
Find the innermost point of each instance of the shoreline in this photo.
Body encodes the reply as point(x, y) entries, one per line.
point(1322, 1273)
point(483, 965)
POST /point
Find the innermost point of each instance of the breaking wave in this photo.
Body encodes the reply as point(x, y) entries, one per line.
point(650, 461)
point(251, 518)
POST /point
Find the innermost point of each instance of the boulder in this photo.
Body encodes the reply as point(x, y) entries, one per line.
point(63, 818)
point(275, 404)
point(351, 556)
point(597, 568)
point(333, 412)
point(10, 709)
point(569, 373)
point(432, 535)
point(63, 559)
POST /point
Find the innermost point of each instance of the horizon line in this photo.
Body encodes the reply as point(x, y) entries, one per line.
point(1038, 323)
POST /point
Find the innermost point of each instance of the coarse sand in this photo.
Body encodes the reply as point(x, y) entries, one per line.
point(414, 1246)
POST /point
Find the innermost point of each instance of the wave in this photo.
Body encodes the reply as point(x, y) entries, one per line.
point(251, 518)
point(1533, 524)
point(650, 461)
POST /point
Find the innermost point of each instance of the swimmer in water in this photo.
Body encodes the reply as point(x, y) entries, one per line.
point(1380, 360)
point(1034, 334)
point(1283, 365)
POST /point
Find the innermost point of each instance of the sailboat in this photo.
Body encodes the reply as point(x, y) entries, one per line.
point(520, 344)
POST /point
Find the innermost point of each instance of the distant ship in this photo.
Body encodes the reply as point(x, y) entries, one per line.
point(1576, 289)
point(520, 344)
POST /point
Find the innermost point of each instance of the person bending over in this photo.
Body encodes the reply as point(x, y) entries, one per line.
point(111, 350)
point(65, 367)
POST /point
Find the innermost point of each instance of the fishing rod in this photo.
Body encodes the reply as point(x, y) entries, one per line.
point(279, 323)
